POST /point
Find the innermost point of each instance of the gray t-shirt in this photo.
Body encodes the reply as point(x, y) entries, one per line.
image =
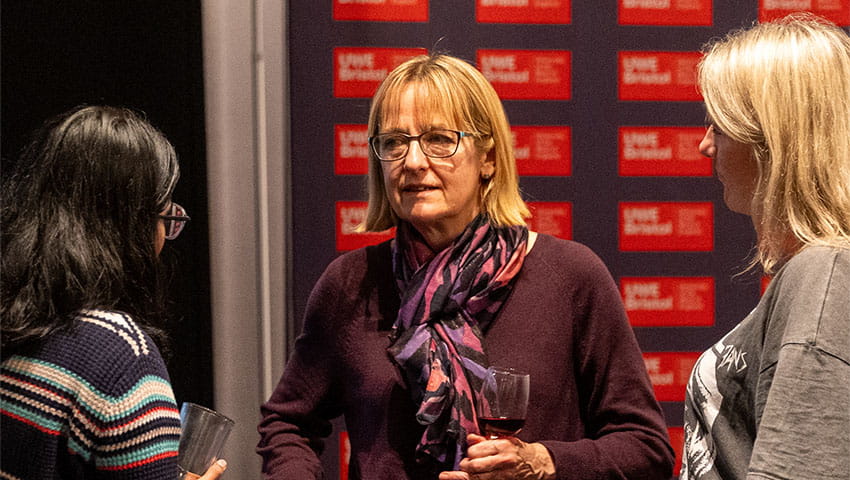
point(771, 400)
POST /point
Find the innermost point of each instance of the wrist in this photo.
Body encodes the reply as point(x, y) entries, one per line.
point(537, 463)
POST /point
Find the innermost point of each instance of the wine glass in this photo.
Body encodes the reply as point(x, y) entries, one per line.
point(503, 402)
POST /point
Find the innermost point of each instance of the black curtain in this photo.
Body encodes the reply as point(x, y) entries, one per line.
point(145, 55)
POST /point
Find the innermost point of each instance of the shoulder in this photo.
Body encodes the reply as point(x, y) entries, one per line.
point(348, 265)
point(810, 275)
point(808, 299)
point(116, 330)
point(116, 335)
point(815, 261)
point(351, 269)
point(106, 377)
point(106, 351)
point(566, 258)
point(350, 279)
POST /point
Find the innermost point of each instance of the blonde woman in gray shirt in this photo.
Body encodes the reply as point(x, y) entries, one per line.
point(772, 398)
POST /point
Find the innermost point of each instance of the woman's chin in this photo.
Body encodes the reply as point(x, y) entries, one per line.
point(420, 212)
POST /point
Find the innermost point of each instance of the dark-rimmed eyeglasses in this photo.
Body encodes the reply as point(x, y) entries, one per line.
point(437, 143)
point(175, 220)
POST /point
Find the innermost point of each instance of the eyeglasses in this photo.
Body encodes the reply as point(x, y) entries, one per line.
point(174, 220)
point(438, 143)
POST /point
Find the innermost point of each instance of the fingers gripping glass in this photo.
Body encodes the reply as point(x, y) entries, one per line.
point(174, 220)
point(439, 143)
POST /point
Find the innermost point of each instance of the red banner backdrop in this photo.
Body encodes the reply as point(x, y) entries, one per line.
point(606, 119)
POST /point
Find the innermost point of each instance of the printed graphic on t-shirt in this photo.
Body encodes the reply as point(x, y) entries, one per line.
point(714, 374)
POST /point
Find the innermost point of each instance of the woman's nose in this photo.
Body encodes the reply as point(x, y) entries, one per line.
point(415, 158)
point(706, 145)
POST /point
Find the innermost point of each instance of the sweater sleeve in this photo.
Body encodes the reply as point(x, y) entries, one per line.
point(296, 418)
point(94, 401)
point(625, 432)
point(124, 420)
point(138, 430)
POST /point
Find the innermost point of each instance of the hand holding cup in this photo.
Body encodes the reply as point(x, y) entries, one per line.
point(204, 432)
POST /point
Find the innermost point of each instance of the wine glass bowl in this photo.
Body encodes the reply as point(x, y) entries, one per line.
point(503, 402)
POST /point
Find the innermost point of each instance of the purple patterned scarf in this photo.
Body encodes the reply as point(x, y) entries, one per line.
point(448, 299)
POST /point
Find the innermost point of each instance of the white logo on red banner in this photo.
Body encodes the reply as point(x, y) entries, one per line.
point(666, 226)
point(359, 70)
point(665, 12)
point(553, 218)
point(381, 10)
point(351, 155)
point(527, 74)
point(348, 216)
point(668, 301)
point(543, 151)
point(523, 11)
point(658, 76)
point(669, 373)
point(662, 151)
point(837, 11)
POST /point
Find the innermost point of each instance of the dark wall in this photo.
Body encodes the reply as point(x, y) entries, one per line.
point(145, 55)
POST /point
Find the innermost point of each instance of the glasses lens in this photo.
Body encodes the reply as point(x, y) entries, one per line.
point(439, 143)
point(435, 144)
point(176, 228)
point(390, 146)
point(174, 225)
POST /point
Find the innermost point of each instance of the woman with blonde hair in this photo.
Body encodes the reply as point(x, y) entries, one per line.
point(397, 337)
point(770, 400)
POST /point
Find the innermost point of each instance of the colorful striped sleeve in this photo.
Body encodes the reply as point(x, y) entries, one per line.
point(107, 401)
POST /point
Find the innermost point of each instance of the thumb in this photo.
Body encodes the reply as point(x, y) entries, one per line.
point(215, 470)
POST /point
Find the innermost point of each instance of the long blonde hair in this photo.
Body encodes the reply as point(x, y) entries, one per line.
point(459, 92)
point(783, 88)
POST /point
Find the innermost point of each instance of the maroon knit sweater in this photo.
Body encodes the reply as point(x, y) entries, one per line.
point(591, 402)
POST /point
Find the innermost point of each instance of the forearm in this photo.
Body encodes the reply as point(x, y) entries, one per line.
point(296, 418)
point(624, 455)
point(286, 454)
point(291, 437)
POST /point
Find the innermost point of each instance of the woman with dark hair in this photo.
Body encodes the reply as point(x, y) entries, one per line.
point(85, 213)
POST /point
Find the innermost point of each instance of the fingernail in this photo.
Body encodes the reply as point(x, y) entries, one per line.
point(222, 463)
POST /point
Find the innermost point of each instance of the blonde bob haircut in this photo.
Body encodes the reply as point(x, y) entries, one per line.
point(783, 88)
point(455, 90)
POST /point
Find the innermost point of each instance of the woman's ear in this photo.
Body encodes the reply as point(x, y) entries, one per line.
point(488, 164)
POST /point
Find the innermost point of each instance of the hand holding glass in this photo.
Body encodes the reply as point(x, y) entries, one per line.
point(203, 436)
point(503, 402)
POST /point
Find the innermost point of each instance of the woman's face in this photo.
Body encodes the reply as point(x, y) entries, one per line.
point(439, 197)
point(735, 167)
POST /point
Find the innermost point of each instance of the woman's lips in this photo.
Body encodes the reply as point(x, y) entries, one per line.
point(417, 188)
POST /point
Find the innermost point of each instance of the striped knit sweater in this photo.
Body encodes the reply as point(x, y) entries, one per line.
point(94, 402)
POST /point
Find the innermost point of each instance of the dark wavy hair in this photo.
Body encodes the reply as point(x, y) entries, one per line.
point(79, 218)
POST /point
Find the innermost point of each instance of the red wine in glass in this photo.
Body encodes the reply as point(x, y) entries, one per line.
point(495, 427)
point(502, 402)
